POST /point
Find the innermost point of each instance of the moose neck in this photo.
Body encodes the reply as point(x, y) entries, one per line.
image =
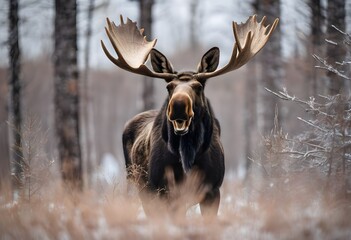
point(187, 147)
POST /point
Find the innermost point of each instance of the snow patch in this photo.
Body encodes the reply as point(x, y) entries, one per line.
point(109, 170)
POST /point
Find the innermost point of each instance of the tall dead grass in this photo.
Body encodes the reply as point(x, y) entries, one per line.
point(296, 206)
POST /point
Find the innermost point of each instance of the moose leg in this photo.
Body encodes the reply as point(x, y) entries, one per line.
point(210, 204)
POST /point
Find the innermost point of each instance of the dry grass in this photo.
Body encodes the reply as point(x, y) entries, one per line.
point(293, 207)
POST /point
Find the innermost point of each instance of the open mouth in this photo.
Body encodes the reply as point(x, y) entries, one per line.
point(181, 127)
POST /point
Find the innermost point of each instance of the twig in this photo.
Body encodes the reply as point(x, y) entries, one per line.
point(331, 42)
point(313, 106)
point(313, 125)
point(329, 67)
point(314, 145)
point(340, 31)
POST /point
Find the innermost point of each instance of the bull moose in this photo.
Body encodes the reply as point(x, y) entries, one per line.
point(184, 134)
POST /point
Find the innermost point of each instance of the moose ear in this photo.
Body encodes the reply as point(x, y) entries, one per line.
point(160, 63)
point(209, 61)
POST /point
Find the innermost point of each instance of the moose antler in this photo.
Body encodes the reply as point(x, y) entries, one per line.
point(131, 47)
point(250, 38)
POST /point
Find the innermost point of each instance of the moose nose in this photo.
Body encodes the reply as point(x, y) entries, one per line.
point(180, 108)
point(178, 111)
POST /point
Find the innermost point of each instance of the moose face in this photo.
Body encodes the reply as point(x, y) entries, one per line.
point(183, 96)
point(186, 92)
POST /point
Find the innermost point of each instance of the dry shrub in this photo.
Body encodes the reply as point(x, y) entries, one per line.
point(35, 165)
point(324, 148)
point(298, 186)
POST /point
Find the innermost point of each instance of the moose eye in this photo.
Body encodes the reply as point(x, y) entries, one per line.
point(197, 87)
point(170, 87)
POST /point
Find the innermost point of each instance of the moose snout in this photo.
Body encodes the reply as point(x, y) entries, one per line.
point(180, 113)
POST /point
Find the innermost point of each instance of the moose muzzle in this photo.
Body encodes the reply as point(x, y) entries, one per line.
point(180, 113)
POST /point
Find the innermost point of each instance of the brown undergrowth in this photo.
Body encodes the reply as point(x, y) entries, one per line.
point(296, 206)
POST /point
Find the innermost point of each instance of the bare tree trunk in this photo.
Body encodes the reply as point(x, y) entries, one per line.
point(250, 120)
point(316, 40)
point(66, 92)
point(272, 69)
point(193, 13)
point(145, 8)
point(335, 53)
point(15, 118)
point(5, 169)
point(250, 117)
point(87, 106)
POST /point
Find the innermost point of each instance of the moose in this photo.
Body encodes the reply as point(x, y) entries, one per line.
point(184, 135)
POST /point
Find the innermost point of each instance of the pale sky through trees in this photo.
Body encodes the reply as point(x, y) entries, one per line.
point(171, 26)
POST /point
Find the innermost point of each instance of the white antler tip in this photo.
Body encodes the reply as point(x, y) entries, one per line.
point(263, 20)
